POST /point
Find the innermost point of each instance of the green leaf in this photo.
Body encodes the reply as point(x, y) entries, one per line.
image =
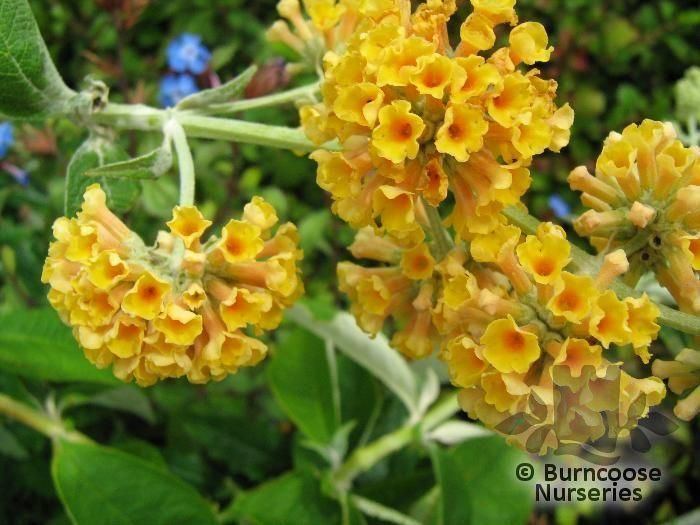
point(292, 498)
point(218, 95)
point(476, 478)
point(100, 485)
point(36, 344)
point(149, 166)
point(313, 232)
point(10, 445)
point(299, 376)
point(373, 354)
point(159, 196)
point(30, 86)
point(95, 152)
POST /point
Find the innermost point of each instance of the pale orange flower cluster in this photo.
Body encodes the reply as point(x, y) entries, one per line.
point(513, 325)
point(419, 120)
point(645, 199)
point(180, 308)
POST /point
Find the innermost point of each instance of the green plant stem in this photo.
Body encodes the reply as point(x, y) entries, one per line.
point(364, 458)
point(36, 420)
point(303, 93)
point(686, 323)
point(185, 162)
point(145, 118)
point(443, 244)
point(381, 512)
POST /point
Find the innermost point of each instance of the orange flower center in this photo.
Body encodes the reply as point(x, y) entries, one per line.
point(420, 263)
point(234, 246)
point(433, 78)
point(403, 130)
point(569, 300)
point(456, 131)
point(149, 292)
point(514, 341)
point(544, 267)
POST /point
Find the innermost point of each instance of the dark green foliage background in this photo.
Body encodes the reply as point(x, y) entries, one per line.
point(616, 63)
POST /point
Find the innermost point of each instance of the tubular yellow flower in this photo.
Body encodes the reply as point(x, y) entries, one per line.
point(573, 297)
point(178, 325)
point(544, 256)
point(609, 320)
point(462, 132)
point(396, 137)
point(107, 269)
point(528, 43)
point(515, 97)
point(396, 208)
point(508, 347)
point(188, 224)
point(401, 61)
point(433, 75)
point(642, 315)
point(463, 361)
point(575, 355)
point(359, 103)
point(146, 297)
point(417, 263)
point(244, 307)
point(240, 241)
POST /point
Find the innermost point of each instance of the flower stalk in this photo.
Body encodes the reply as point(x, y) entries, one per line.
point(366, 457)
point(146, 118)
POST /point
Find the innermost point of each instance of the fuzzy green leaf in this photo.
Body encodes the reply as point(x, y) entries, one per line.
point(36, 344)
point(93, 153)
point(218, 95)
point(149, 166)
point(30, 86)
point(100, 486)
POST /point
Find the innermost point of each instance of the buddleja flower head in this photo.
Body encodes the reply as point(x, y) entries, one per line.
point(645, 199)
point(419, 120)
point(513, 322)
point(181, 308)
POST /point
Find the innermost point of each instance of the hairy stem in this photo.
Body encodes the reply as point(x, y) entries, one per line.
point(145, 118)
point(36, 420)
point(184, 161)
point(292, 96)
point(687, 323)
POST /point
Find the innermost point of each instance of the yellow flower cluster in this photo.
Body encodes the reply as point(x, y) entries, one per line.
point(417, 119)
point(683, 374)
point(645, 200)
point(512, 324)
point(180, 308)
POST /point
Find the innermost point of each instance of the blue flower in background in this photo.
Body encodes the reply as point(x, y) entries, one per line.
point(174, 88)
point(6, 138)
point(559, 207)
point(187, 54)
